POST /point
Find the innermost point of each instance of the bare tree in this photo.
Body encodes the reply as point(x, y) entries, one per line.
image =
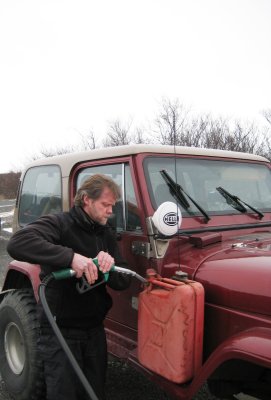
point(175, 126)
point(118, 134)
point(121, 133)
point(139, 137)
point(9, 183)
point(193, 131)
point(89, 141)
point(223, 134)
point(171, 122)
point(58, 151)
point(267, 115)
point(49, 152)
point(266, 133)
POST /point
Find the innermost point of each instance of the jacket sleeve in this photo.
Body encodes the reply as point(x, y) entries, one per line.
point(38, 243)
point(117, 280)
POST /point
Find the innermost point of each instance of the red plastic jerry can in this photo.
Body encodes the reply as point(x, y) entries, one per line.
point(170, 328)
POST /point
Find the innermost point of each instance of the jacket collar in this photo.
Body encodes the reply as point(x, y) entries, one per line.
point(84, 220)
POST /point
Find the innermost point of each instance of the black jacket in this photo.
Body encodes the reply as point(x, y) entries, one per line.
point(51, 241)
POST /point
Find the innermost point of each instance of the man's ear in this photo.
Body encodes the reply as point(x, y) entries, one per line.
point(86, 200)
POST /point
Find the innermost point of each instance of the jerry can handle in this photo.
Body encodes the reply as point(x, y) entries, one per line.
point(164, 283)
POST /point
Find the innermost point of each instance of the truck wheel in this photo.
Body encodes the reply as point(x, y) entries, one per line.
point(19, 329)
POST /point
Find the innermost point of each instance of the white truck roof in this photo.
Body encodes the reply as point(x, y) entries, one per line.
point(68, 160)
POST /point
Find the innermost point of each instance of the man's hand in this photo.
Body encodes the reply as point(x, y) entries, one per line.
point(105, 261)
point(84, 265)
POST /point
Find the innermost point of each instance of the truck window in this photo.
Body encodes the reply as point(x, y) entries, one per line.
point(40, 193)
point(125, 215)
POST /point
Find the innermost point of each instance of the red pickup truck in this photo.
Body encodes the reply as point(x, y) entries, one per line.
point(222, 242)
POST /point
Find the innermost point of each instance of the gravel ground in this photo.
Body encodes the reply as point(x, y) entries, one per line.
point(123, 381)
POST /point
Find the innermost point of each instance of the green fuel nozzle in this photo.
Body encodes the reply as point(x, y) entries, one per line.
point(63, 274)
point(121, 270)
point(69, 273)
point(106, 274)
point(84, 286)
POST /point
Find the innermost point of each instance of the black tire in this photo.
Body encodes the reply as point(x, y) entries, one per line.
point(19, 364)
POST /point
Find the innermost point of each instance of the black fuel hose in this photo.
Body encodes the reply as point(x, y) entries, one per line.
point(60, 337)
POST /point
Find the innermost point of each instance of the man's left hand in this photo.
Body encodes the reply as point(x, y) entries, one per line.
point(105, 261)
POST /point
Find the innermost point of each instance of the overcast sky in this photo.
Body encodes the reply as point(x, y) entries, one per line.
point(71, 66)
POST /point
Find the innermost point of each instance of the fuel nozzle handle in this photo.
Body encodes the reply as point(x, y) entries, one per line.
point(106, 274)
point(69, 273)
point(63, 273)
point(121, 270)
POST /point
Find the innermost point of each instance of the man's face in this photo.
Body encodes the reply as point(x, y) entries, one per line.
point(100, 210)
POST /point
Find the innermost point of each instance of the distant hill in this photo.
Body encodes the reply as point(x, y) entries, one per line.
point(9, 183)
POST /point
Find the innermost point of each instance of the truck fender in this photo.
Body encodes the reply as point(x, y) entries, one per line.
point(252, 345)
point(31, 272)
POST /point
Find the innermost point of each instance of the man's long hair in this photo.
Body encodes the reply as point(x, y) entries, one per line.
point(93, 187)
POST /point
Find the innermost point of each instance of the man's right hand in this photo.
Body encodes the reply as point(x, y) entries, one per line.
point(84, 265)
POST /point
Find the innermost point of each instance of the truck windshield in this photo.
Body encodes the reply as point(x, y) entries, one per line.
point(251, 182)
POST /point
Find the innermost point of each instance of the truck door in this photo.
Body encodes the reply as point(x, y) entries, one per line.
point(128, 220)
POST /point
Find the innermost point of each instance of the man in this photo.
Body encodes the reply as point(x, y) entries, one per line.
point(70, 240)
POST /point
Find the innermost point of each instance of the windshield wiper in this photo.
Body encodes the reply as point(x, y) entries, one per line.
point(236, 202)
point(175, 189)
point(178, 192)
